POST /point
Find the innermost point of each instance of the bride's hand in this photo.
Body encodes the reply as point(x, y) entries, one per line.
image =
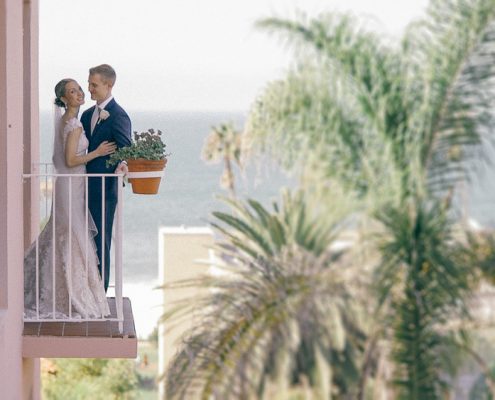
point(106, 148)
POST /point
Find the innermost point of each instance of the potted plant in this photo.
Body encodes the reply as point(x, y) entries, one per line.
point(146, 159)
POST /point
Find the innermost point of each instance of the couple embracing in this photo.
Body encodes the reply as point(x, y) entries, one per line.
point(75, 244)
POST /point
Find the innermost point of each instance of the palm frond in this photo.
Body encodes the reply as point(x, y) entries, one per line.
point(347, 112)
point(423, 109)
point(455, 45)
point(263, 234)
point(358, 52)
point(313, 124)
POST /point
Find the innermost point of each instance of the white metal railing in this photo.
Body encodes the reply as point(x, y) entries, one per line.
point(44, 177)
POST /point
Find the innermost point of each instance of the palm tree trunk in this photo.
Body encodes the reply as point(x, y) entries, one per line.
point(324, 375)
point(230, 176)
point(366, 370)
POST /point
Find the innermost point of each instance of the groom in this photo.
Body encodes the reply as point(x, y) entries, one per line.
point(106, 121)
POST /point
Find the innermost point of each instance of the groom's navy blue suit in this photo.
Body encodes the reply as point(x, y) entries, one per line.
point(116, 128)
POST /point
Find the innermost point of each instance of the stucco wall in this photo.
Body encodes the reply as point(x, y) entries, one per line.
point(13, 91)
point(11, 210)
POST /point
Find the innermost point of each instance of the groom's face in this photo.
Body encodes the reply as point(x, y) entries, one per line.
point(99, 88)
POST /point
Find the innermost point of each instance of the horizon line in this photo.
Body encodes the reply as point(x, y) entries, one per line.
point(172, 110)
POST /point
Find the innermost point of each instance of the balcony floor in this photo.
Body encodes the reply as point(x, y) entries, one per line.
point(99, 339)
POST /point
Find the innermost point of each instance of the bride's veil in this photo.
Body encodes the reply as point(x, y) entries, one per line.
point(58, 156)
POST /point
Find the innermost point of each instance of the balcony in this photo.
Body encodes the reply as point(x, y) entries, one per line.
point(68, 333)
point(86, 339)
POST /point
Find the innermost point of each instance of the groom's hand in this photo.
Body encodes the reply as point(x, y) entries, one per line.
point(122, 168)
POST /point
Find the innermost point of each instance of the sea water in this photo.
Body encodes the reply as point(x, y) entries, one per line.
point(188, 194)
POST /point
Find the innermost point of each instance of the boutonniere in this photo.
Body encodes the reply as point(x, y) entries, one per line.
point(104, 114)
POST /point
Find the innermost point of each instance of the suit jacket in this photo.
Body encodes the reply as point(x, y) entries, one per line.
point(116, 128)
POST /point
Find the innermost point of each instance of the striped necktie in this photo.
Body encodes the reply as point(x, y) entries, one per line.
point(94, 118)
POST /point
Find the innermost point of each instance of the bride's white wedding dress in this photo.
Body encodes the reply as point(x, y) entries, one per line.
point(76, 269)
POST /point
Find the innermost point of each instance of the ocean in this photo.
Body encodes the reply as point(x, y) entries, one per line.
point(187, 196)
point(188, 191)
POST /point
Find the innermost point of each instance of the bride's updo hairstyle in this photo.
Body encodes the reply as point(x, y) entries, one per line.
point(60, 91)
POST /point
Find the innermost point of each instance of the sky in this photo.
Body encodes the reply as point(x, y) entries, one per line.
point(184, 55)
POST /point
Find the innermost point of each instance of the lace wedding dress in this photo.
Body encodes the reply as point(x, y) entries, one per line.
point(71, 254)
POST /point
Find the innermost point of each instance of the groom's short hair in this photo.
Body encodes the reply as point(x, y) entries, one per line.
point(106, 71)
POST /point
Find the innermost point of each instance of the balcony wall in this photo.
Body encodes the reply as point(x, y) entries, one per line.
point(18, 35)
point(92, 339)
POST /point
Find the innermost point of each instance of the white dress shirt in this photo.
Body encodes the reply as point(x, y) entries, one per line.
point(96, 112)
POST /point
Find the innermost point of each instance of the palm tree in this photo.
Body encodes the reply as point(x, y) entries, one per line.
point(397, 126)
point(283, 315)
point(423, 277)
point(224, 144)
point(375, 116)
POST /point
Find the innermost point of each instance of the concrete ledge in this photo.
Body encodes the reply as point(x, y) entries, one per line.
point(97, 339)
point(78, 347)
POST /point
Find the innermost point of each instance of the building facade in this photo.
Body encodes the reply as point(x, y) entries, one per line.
point(19, 148)
point(183, 253)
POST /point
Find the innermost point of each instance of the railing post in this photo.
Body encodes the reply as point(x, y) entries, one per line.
point(86, 223)
point(69, 267)
point(118, 255)
point(103, 229)
point(54, 216)
point(37, 278)
point(46, 190)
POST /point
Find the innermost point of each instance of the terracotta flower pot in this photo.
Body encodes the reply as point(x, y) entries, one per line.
point(145, 185)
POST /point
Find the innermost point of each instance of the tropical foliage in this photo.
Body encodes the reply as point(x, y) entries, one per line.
point(398, 126)
point(88, 379)
point(423, 276)
point(398, 117)
point(283, 312)
point(385, 130)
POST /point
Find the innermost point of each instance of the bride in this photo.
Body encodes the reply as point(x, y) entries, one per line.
point(71, 253)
